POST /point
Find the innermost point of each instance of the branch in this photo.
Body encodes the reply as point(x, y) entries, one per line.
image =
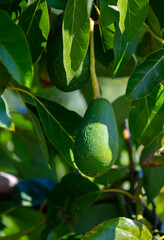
point(153, 34)
point(126, 135)
point(95, 85)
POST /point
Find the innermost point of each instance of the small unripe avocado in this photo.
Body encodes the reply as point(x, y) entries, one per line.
point(96, 143)
point(55, 66)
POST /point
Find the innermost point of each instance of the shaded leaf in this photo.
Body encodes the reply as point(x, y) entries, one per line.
point(95, 215)
point(5, 120)
point(76, 27)
point(40, 133)
point(119, 228)
point(109, 12)
point(58, 4)
point(72, 195)
point(34, 21)
point(32, 191)
point(146, 76)
point(146, 117)
point(17, 59)
point(158, 8)
point(69, 120)
point(104, 57)
point(56, 134)
point(121, 109)
point(108, 36)
point(123, 50)
point(153, 178)
point(13, 8)
point(132, 15)
point(4, 78)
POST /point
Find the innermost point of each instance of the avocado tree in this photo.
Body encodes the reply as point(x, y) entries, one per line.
point(81, 119)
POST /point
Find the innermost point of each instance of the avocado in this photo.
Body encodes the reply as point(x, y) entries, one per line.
point(55, 66)
point(96, 144)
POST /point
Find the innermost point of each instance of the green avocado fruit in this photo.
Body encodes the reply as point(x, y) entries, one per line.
point(55, 66)
point(97, 142)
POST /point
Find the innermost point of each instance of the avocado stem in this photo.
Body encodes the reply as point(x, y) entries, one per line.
point(95, 85)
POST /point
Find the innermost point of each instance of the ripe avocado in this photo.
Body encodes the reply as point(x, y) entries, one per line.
point(96, 143)
point(55, 66)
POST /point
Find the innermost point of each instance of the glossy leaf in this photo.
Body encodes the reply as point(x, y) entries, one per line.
point(109, 12)
point(146, 117)
point(153, 178)
point(13, 8)
point(17, 59)
point(34, 21)
point(119, 228)
point(5, 120)
point(56, 134)
point(132, 15)
point(123, 50)
point(146, 76)
point(68, 119)
point(72, 195)
point(4, 78)
point(75, 36)
point(58, 4)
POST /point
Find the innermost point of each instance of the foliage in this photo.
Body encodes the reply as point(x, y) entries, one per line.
point(43, 195)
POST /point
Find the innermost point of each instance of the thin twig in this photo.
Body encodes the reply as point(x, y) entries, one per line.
point(153, 34)
point(126, 135)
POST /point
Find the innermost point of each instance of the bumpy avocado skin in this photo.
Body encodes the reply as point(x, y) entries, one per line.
point(55, 66)
point(96, 143)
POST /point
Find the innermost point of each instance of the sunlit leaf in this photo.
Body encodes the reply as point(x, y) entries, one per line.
point(132, 15)
point(146, 76)
point(75, 36)
point(34, 21)
point(119, 228)
point(146, 117)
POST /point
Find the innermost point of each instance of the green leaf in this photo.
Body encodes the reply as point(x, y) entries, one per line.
point(146, 117)
point(68, 119)
point(121, 109)
point(40, 133)
point(34, 21)
point(119, 228)
point(72, 195)
point(108, 36)
point(13, 8)
point(76, 27)
point(94, 215)
point(158, 8)
point(56, 134)
point(58, 4)
point(153, 22)
point(153, 178)
point(132, 15)
point(15, 54)
point(103, 56)
point(109, 12)
point(146, 76)
point(5, 120)
point(123, 50)
point(4, 78)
